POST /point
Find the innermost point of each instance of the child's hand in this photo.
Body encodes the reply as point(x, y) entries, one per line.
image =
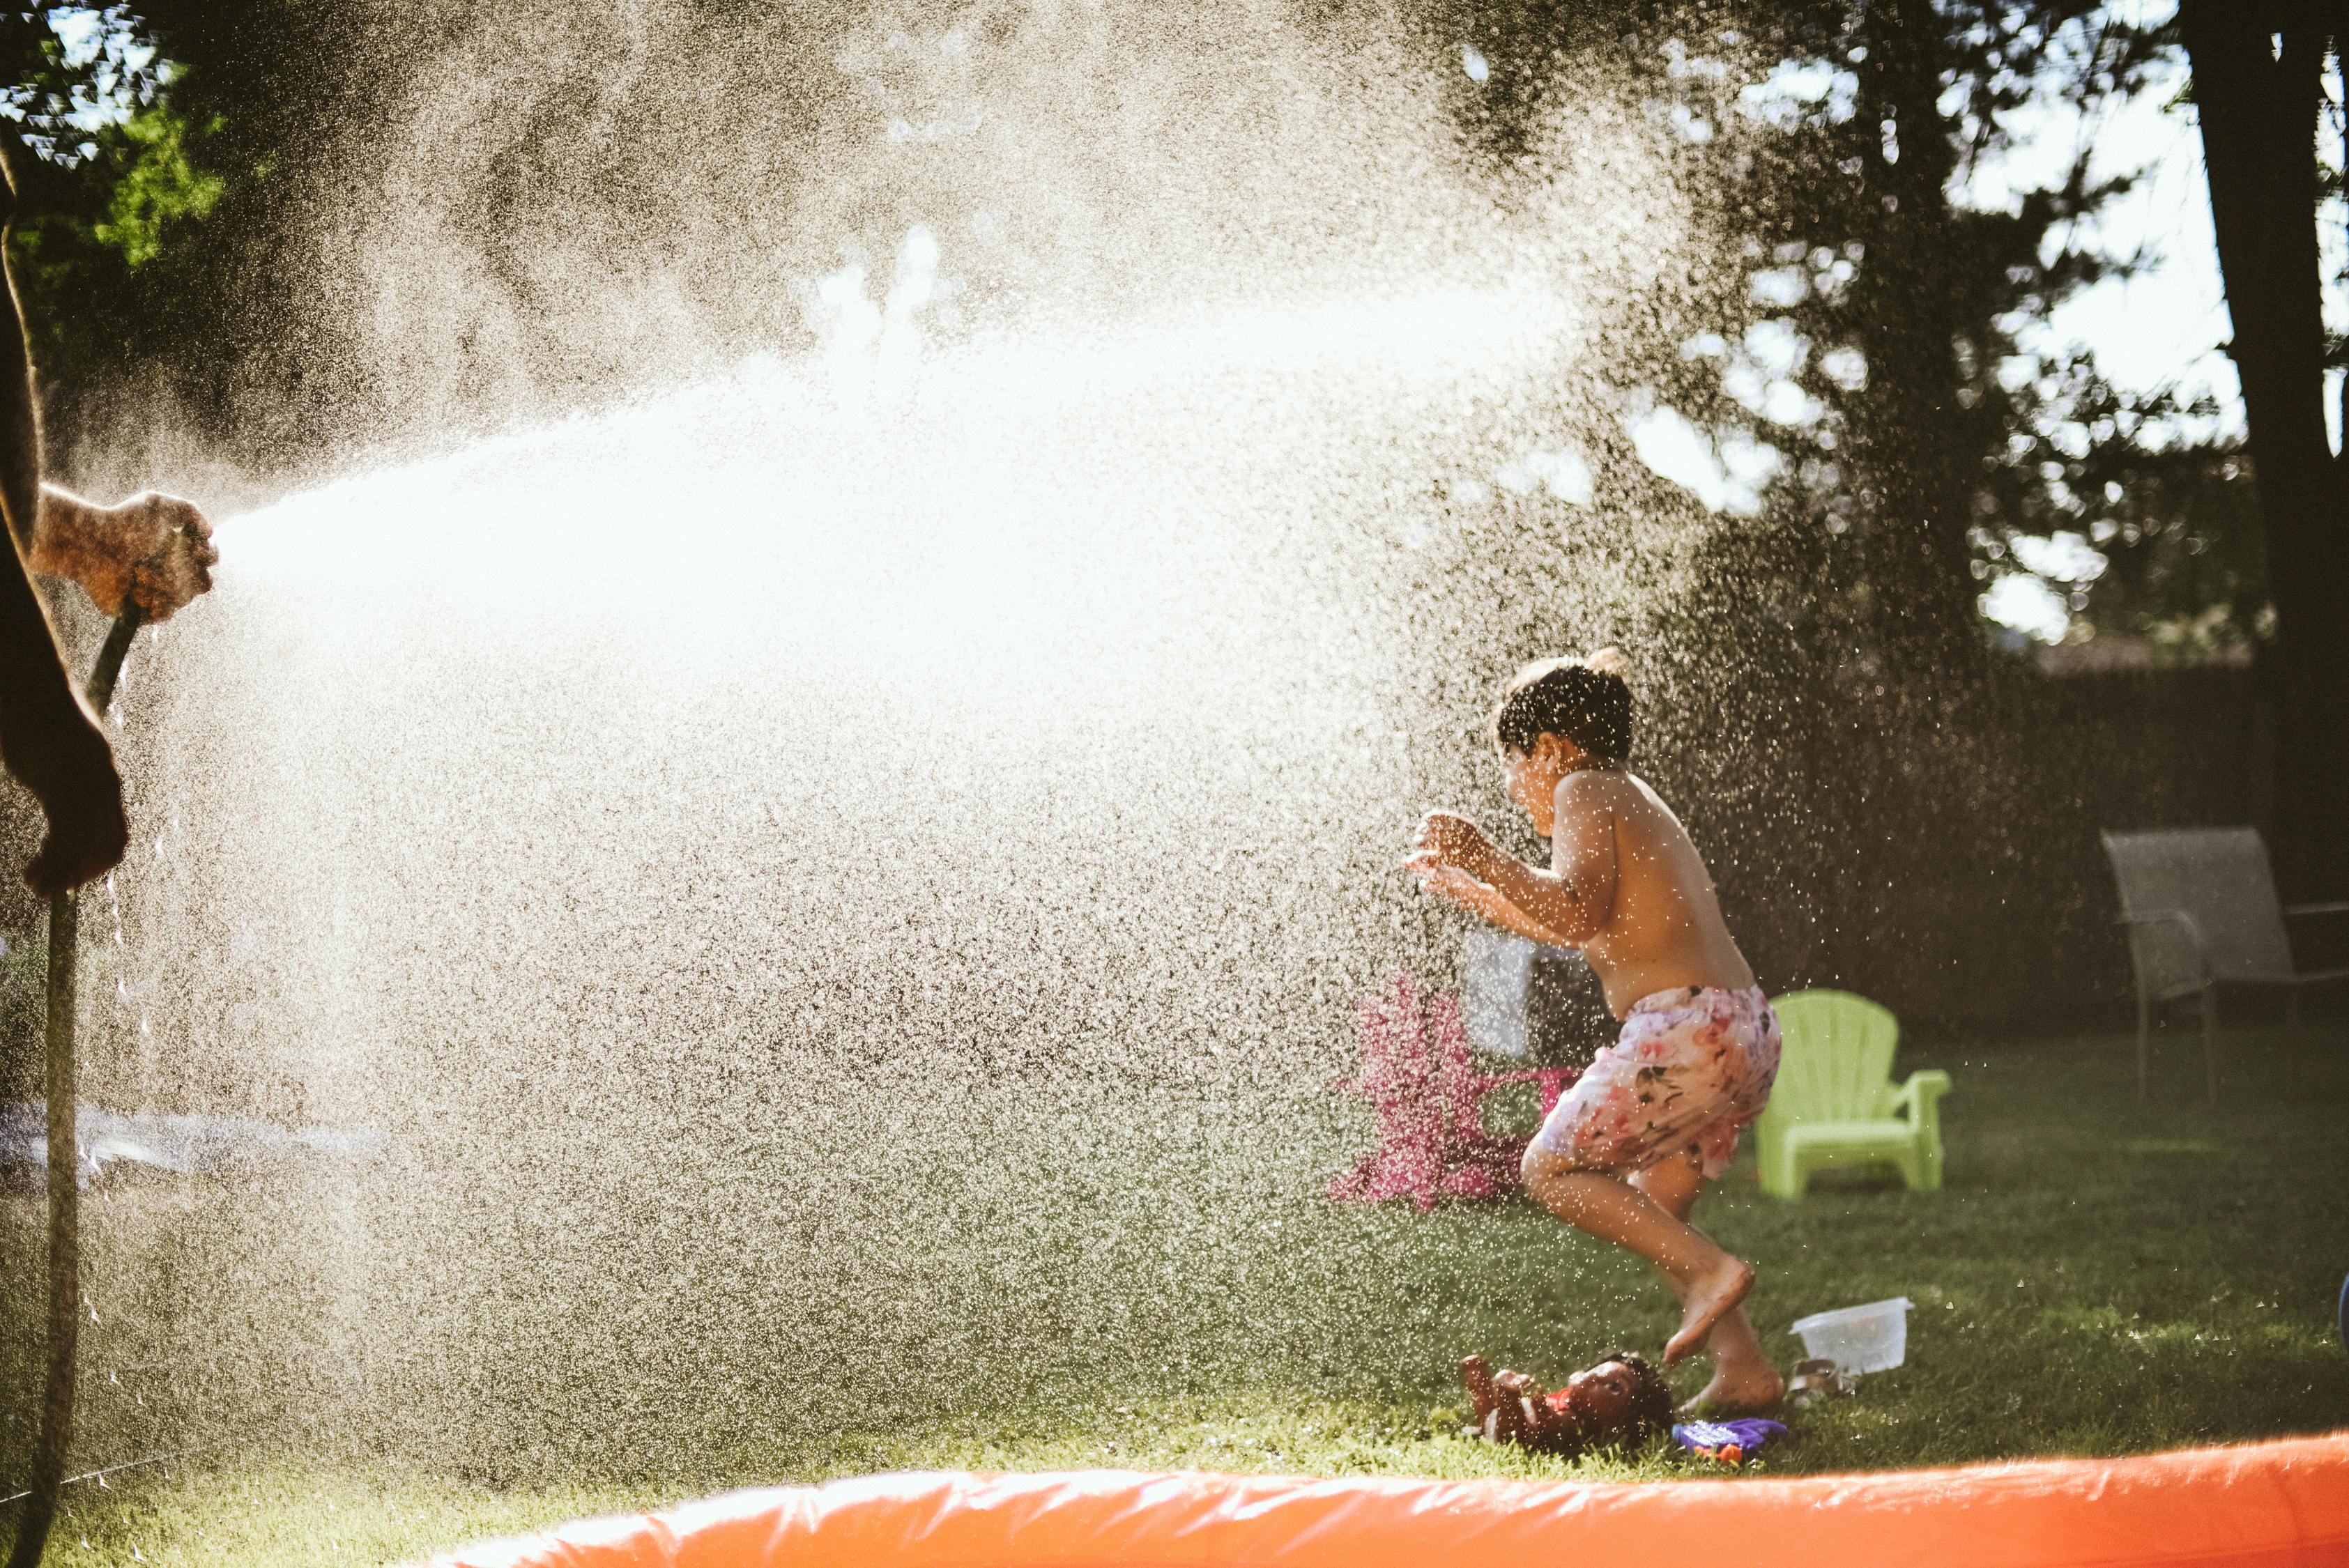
point(1451, 883)
point(1480, 898)
point(1446, 840)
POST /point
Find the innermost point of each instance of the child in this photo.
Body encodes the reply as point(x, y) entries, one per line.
point(1626, 1153)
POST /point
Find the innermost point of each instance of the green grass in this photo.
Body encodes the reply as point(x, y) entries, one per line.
point(2098, 1278)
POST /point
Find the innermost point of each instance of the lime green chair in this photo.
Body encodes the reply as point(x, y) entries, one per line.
point(1834, 1104)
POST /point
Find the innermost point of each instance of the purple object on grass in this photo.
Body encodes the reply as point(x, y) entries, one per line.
point(1749, 1433)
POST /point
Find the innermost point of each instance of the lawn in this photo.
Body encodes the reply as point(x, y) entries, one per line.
point(2098, 1278)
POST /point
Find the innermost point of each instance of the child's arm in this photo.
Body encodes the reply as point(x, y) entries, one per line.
point(1485, 901)
point(1574, 899)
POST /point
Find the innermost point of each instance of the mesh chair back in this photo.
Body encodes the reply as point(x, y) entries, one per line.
point(2217, 875)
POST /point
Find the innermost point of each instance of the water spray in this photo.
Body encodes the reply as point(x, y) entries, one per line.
point(65, 1166)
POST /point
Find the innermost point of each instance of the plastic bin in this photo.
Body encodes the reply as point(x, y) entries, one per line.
point(1872, 1337)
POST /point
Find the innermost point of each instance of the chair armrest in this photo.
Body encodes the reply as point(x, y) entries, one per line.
point(2178, 917)
point(1921, 1097)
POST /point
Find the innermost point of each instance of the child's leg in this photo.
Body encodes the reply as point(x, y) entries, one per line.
point(1689, 1068)
point(1743, 1377)
point(1708, 1280)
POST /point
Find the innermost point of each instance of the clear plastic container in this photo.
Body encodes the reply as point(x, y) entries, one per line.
point(1873, 1337)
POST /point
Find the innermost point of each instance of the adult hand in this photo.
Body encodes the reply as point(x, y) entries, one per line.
point(154, 548)
point(168, 545)
point(70, 768)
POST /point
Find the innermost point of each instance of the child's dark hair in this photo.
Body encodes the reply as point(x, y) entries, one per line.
point(1651, 1406)
point(1585, 700)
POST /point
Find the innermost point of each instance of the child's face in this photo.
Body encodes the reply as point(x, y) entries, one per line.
point(1600, 1398)
point(1532, 778)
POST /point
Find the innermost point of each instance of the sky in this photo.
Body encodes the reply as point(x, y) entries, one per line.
point(2158, 328)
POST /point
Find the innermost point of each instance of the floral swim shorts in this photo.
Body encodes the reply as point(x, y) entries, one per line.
point(1693, 1067)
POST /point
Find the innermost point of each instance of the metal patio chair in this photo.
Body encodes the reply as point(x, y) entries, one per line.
point(2200, 908)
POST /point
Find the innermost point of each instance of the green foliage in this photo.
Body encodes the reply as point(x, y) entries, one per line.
point(2140, 480)
point(158, 187)
point(2172, 514)
point(2186, 557)
point(160, 146)
point(1887, 351)
point(114, 185)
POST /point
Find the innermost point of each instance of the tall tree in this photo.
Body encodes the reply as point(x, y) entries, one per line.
point(1849, 313)
point(2259, 83)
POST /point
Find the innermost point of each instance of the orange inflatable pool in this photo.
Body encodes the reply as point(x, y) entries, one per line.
point(2270, 1505)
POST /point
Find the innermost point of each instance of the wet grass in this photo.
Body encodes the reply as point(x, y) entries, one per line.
point(2098, 1278)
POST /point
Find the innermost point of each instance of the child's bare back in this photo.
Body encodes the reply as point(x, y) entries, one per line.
point(1663, 928)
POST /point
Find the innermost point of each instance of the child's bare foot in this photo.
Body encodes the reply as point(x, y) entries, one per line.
point(1738, 1391)
point(1480, 1388)
point(1709, 1298)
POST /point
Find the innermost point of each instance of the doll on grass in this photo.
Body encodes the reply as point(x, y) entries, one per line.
point(1619, 1400)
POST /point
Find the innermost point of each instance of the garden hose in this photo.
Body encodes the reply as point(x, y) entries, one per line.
point(65, 1170)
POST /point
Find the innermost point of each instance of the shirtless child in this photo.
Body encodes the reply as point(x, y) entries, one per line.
point(1657, 1116)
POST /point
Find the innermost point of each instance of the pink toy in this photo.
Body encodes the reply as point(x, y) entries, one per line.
point(1430, 1101)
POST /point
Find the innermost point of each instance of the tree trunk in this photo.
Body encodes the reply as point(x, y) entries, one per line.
point(2258, 108)
point(1927, 627)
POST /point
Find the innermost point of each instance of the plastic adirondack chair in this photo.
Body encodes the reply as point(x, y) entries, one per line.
point(1833, 1103)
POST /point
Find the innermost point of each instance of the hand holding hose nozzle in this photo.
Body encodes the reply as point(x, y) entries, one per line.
point(144, 559)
